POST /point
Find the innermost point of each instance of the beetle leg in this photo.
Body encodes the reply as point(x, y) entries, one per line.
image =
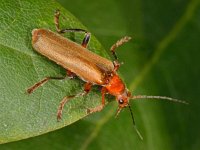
point(31, 89)
point(86, 40)
point(40, 83)
point(113, 48)
point(62, 104)
point(87, 34)
point(117, 44)
point(56, 20)
point(87, 88)
point(100, 107)
point(70, 74)
point(116, 65)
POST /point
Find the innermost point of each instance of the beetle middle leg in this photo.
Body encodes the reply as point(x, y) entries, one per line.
point(100, 107)
point(87, 34)
point(87, 89)
point(70, 74)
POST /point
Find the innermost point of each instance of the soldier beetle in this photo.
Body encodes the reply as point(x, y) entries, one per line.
point(88, 66)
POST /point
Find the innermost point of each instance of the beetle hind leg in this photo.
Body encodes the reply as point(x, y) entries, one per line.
point(31, 89)
point(57, 24)
point(40, 83)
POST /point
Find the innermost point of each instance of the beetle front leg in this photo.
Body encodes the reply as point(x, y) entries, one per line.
point(117, 44)
point(100, 107)
point(113, 48)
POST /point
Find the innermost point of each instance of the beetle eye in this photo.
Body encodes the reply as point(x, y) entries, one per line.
point(121, 101)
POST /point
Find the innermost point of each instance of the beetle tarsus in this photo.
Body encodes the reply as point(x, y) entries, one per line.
point(95, 109)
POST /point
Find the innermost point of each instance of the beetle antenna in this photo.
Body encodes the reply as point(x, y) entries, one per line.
point(134, 125)
point(158, 97)
point(118, 111)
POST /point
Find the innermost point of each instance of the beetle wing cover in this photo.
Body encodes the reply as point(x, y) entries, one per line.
point(72, 56)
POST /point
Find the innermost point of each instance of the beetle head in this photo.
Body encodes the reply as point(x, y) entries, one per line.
point(123, 100)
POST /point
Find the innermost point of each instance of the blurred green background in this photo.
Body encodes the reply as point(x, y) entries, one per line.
point(162, 59)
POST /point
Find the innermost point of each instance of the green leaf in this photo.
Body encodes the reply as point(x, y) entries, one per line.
point(162, 59)
point(22, 115)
